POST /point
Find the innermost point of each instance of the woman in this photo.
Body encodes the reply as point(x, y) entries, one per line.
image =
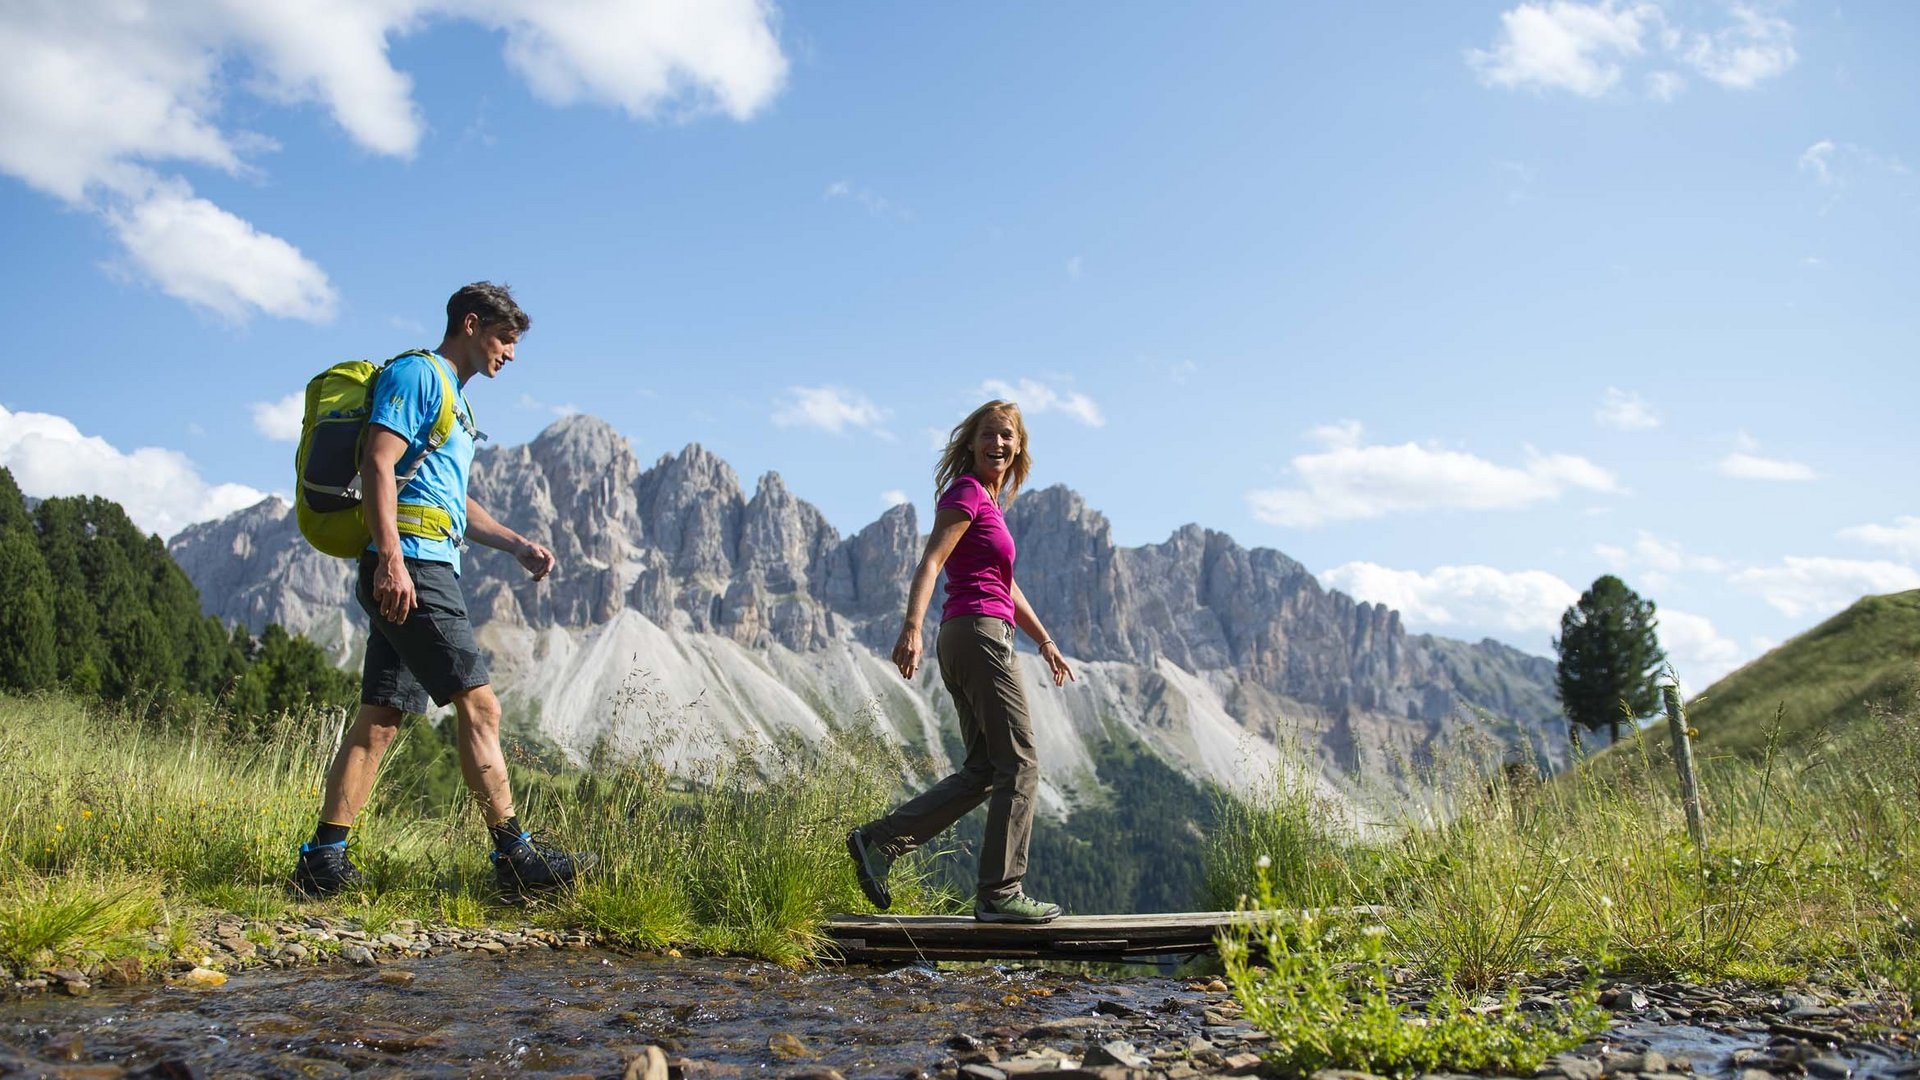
point(983, 467)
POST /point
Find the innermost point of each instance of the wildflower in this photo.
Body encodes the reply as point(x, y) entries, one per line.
point(1606, 901)
point(1263, 862)
point(59, 828)
point(1375, 931)
point(86, 813)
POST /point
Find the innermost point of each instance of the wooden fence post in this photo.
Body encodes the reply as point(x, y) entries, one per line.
point(1683, 759)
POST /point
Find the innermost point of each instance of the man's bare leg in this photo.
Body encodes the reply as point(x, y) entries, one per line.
point(482, 764)
point(350, 778)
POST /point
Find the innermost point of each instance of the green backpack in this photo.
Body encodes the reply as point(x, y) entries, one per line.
point(333, 433)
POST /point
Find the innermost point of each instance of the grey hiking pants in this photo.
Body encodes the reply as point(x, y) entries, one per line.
point(1001, 769)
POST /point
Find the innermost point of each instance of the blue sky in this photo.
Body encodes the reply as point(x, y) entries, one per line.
point(1460, 305)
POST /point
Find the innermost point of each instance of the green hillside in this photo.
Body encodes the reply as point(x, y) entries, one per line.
point(1824, 681)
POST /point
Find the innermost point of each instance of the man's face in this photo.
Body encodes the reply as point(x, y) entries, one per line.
point(493, 344)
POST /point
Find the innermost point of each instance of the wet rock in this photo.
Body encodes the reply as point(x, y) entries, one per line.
point(200, 979)
point(1116, 1052)
point(978, 1071)
point(294, 951)
point(1755, 1074)
point(963, 1042)
point(1109, 1007)
point(649, 1064)
point(1575, 1067)
point(1829, 1067)
point(394, 977)
point(1068, 1026)
point(1241, 1064)
point(76, 987)
point(357, 954)
point(171, 1069)
point(788, 1046)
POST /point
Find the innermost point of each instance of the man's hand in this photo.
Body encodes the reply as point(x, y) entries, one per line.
point(393, 588)
point(537, 560)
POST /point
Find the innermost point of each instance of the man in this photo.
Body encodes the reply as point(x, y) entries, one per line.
point(421, 644)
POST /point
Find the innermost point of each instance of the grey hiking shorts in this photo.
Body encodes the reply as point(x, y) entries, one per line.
point(431, 654)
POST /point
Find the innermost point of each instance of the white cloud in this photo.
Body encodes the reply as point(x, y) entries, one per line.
point(1035, 397)
point(1653, 562)
point(1698, 651)
point(876, 204)
point(1586, 48)
point(1526, 603)
point(1349, 481)
point(1563, 45)
point(827, 408)
point(98, 94)
point(1665, 85)
point(894, 498)
point(280, 420)
point(161, 490)
point(1755, 48)
point(1902, 537)
point(1818, 160)
point(1625, 411)
point(1745, 466)
point(197, 252)
point(1817, 586)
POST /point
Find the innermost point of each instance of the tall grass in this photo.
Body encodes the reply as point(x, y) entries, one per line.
point(1811, 870)
point(746, 857)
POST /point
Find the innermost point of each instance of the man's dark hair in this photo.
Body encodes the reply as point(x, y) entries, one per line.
point(493, 303)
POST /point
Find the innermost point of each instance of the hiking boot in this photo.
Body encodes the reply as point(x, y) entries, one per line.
point(1018, 908)
point(870, 866)
point(324, 869)
point(531, 864)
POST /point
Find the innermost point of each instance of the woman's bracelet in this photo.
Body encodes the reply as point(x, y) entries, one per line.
point(1044, 644)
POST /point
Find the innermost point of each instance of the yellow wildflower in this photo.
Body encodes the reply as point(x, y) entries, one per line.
point(86, 813)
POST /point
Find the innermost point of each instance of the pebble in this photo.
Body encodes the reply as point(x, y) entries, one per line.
point(201, 979)
point(357, 954)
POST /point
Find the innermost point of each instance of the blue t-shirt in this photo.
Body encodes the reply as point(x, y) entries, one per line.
point(406, 401)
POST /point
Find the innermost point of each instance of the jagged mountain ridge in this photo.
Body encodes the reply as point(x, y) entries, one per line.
point(756, 607)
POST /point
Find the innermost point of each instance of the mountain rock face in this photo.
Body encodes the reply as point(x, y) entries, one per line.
point(684, 612)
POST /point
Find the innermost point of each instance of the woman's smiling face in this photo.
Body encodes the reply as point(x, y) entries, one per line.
point(995, 444)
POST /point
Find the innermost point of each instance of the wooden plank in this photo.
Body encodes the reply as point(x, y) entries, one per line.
point(960, 937)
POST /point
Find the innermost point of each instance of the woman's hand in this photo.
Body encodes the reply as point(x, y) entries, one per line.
point(1056, 662)
point(906, 651)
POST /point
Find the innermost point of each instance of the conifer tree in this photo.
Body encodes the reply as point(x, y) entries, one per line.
point(26, 598)
point(1609, 657)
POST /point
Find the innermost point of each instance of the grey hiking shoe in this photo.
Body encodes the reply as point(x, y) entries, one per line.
point(1018, 908)
point(324, 869)
point(870, 866)
point(531, 864)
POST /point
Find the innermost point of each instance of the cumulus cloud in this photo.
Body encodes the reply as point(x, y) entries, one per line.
point(98, 94)
point(1902, 537)
point(894, 498)
point(161, 490)
point(1037, 397)
point(1587, 48)
point(1563, 45)
point(1698, 651)
point(197, 252)
point(280, 420)
point(1742, 465)
point(1350, 481)
point(1801, 586)
point(1654, 562)
point(876, 204)
point(827, 408)
point(1625, 411)
point(1526, 603)
point(1755, 48)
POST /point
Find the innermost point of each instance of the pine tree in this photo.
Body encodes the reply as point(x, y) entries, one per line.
point(26, 613)
point(1609, 657)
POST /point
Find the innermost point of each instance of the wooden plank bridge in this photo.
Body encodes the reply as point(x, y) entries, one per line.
point(907, 938)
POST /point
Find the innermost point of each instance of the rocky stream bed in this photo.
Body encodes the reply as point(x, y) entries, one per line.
point(324, 998)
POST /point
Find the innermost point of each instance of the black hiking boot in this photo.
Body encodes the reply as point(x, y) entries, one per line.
point(324, 869)
point(531, 865)
point(870, 866)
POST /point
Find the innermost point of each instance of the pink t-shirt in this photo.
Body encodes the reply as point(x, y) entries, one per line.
point(980, 570)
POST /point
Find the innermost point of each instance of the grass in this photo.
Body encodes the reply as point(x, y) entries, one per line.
point(1811, 871)
point(108, 820)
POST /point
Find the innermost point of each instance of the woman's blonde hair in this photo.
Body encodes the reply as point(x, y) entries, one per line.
point(956, 460)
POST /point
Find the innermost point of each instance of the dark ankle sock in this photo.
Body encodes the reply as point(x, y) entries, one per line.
point(506, 834)
point(329, 833)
